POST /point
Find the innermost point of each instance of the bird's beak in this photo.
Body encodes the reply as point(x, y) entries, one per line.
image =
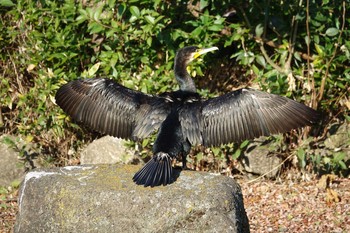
point(203, 51)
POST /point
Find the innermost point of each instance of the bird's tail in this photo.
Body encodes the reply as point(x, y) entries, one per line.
point(157, 171)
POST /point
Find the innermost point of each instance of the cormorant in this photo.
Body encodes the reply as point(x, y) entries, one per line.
point(182, 117)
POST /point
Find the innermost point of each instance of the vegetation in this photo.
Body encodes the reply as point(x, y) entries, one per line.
point(298, 49)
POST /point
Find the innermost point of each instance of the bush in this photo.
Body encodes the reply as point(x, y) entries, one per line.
point(47, 43)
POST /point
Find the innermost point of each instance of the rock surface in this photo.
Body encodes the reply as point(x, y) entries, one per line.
point(11, 168)
point(340, 139)
point(260, 161)
point(108, 150)
point(102, 198)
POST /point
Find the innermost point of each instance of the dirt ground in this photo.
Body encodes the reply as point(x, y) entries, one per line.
point(316, 205)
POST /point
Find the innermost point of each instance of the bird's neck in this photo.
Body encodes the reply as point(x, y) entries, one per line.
point(184, 79)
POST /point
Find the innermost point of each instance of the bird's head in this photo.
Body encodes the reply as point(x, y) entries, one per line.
point(190, 53)
point(183, 57)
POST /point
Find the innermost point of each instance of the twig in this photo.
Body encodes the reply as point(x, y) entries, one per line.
point(312, 84)
point(20, 87)
point(268, 59)
point(291, 47)
point(245, 17)
point(1, 118)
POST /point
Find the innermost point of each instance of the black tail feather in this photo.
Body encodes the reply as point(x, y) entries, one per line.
point(157, 171)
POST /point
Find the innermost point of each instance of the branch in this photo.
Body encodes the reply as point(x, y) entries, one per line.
point(1, 119)
point(291, 46)
point(312, 85)
point(262, 48)
point(245, 17)
point(268, 59)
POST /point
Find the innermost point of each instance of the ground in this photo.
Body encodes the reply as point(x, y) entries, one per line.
point(305, 206)
point(316, 205)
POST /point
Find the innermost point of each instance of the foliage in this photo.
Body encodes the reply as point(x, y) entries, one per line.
point(299, 49)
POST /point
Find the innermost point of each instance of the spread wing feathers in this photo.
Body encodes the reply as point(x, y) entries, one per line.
point(110, 108)
point(246, 114)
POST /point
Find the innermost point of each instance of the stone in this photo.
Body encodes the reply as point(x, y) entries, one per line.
point(108, 150)
point(103, 198)
point(259, 161)
point(340, 139)
point(11, 168)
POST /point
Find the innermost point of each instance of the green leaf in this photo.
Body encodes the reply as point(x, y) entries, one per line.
point(215, 28)
point(347, 117)
point(301, 157)
point(307, 40)
point(319, 49)
point(255, 70)
point(149, 41)
point(342, 165)
point(97, 13)
point(261, 60)
point(115, 24)
point(338, 157)
point(332, 32)
point(92, 71)
point(301, 153)
point(149, 19)
point(121, 9)
point(111, 3)
point(341, 85)
point(326, 160)
point(95, 28)
point(203, 4)
point(145, 142)
point(134, 10)
point(236, 154)
point(6, 3)
point(259, 30)
point(216, 151)
point(199, 156)
point(197, 31)
point(145, 60)
point(81, 18)
point(244, 144)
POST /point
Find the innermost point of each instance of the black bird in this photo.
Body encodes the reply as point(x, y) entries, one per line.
point(182, 117)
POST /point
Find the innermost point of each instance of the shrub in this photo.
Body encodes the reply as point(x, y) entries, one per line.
point(296, 49)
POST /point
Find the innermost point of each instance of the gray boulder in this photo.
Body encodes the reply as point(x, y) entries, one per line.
point(108, 150)
point(103, 198)
point(259, 160)
point(11, 168)
point(340, 139)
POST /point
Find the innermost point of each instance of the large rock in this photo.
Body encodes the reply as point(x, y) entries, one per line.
point(103, 198)
point(108, 150)
point(340, 139)
point(260, 161)
point(11, 168)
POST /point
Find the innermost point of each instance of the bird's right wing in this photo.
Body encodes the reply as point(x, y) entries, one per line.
point(247, 113)
point(109, 108)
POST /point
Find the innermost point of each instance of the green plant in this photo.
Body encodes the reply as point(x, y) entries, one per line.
point(297, 49)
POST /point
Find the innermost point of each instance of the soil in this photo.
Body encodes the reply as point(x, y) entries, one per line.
point(304, 206)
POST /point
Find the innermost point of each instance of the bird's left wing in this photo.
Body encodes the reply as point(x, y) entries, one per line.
point(248, 113)
point(240, 115)
point(109, 108)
